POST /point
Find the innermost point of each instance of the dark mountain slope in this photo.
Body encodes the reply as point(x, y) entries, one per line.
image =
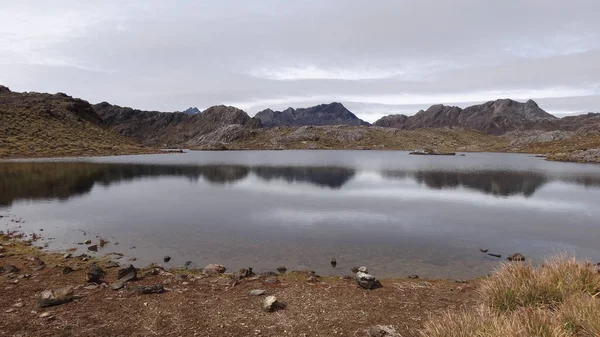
point(170, 129)
point(324, 114)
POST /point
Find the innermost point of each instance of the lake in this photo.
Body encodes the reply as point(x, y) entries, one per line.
point(395, 213)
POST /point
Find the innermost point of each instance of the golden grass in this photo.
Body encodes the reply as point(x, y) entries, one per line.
point(556, 299)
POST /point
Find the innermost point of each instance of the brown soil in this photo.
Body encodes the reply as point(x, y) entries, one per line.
point(194, 305)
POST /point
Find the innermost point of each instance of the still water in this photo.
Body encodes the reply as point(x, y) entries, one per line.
point(395, 213)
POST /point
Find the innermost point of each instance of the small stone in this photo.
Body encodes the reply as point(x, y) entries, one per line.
point(167, 281)
point(152, 289)
point(271, 280)
point(87, 242)
point(460, 281)
point(111, 264)
point(91, 287)
point(18, 305)
point(93, 248)
point(95, 274)
point(256, 292)
point(516, 257)
point(167, 259)
point(8, 311)
point(45, 315)
point(67, 256)
point(333, 263)
point(128, 273)
point(483, 250)
point(312, 279)
point(414, 276)
point(243, 273)
point(281, 269)
point(382, 331)
point(424, 284)
point(495, 255)
point(367, 281)
point(271, 304)
point(363, 269)
point(67, 270)
point(50, 298)
point(9, 269)
point(354, 270)
point(214, 269)
point(346, 278)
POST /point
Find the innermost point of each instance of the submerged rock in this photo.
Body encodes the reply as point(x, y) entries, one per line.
point(271, 304)
point(93, 248)
point(281, 269)
point(495, 255)
point(483, 250)
point(167, 259)
point(516, 257)
point(333, 263)
point(54, 297)
point(414, 276)
point(367, 281)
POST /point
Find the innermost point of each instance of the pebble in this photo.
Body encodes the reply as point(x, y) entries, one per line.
point(87, 242)
point(10, 310)
point(281, 269)
point(18, 305)
point(256, 292)
point(271, 304)
point(45, 315)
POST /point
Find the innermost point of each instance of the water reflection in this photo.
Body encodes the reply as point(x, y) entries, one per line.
point(60, 180)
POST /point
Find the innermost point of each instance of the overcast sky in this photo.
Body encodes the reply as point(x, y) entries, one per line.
point(376, 57)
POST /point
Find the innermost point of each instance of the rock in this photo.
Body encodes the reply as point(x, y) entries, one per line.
point(167, 259)
point(483, 250)
point(424, 284)
point(243, 273)
point(95, 274)
point(46, 315)
point(333, 263)
point(92, 286)
point(495, 255)
point(128, 273)
point(18, 305)
point(67, 256)
point(354, 270)
point(281, 269)
point(367, 281)
point(87, 242)
point(414, 276)
point(9, 269)
point(312, 279)
point(54, 297)
point(93, 248)
point(271, 304)
point(67, 270)
point(152, 289)
point(516, 257)
point(8, 311)
point(363, 269)
point(124, 275)
point(38, 264)
point(256, 292)
point(111, 264)
point(271, 280)
point(382, 331)
point(132, 259)
point(214, 269)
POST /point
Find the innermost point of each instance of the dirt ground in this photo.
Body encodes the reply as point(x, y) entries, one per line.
point(196, 305)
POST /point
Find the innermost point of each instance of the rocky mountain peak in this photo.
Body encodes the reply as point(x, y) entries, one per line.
point(4, 89)
point(323, 114)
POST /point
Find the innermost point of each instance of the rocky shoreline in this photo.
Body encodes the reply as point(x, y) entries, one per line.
point(66, 295)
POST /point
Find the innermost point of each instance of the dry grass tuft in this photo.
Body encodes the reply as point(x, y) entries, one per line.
point(554, 300)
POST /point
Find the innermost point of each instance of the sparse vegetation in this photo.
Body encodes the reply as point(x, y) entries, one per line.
point(557, 299)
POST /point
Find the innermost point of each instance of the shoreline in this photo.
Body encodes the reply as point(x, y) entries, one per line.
point(208, 304)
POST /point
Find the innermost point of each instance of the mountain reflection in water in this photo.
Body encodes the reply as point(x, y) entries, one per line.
point(62, 180)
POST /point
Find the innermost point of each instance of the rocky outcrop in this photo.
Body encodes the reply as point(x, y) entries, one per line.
point(324, 114)
point(174, 129)
point(494, 117)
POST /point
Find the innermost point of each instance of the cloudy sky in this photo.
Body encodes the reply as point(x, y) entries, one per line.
point(376, 57)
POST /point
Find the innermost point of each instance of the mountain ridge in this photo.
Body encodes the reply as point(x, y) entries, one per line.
point(334, 113)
